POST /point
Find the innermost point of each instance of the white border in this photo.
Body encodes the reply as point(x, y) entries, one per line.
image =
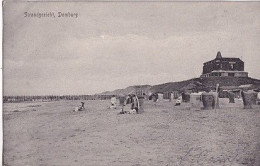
point(1, 87)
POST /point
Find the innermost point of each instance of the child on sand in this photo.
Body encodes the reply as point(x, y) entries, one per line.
point(80, 108)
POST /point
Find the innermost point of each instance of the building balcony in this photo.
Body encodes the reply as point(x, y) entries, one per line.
point(224, 73)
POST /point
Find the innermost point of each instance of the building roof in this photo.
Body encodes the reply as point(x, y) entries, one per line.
point(231, 59)
point(219, 57)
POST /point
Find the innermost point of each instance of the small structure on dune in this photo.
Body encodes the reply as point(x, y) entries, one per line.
point(237, 90)
point(208, 100)
point(153, 97)
point(156, 97)
point(186, 97)
point(140, 92)
point(258, 98)
point(231, 97)
point(139, 97)
point(216, 98)
point(136, 102)
point(225, 90)
point(171, 97)
point(249, 99)
point(141, 105)
point(176, 94)
point(168, 96)
point(160, 96)
point(122, 100)
point(194, 87)
point(211, 99)
point(195, 101)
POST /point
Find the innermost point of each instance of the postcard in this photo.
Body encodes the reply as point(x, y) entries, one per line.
point(131, 83)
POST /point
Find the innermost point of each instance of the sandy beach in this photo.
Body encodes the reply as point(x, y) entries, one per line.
point(50, 133)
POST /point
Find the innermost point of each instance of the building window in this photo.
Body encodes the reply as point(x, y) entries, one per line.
point(216, 74)
point(231, 74)
point(232, 64)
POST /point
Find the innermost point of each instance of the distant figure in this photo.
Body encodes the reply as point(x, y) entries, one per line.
point(133, 101)
point(82, 106)
point(123, 101)
point(153, 97)
point(178, 101)
point(231, 97)
point(113, 102)
point(249, 99)
point(76, 109)
point(258, 98)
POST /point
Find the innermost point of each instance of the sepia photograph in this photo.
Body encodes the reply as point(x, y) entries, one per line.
point(121, 83)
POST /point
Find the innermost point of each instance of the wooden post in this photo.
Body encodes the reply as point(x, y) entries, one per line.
point(216, 97)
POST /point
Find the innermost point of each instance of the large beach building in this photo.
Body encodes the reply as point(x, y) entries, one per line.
point(222, 67)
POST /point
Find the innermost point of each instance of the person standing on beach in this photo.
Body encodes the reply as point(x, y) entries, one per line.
point(82, 105)
point(135, 103)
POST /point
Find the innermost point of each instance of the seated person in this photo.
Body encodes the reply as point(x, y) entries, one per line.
point(178, 101)
point(113, 102)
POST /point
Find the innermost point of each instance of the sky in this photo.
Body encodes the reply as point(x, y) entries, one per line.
point(112, 45)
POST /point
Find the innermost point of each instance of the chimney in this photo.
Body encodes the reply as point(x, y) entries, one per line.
point(219, 56)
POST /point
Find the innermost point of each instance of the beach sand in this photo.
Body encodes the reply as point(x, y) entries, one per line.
point(50, 133)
